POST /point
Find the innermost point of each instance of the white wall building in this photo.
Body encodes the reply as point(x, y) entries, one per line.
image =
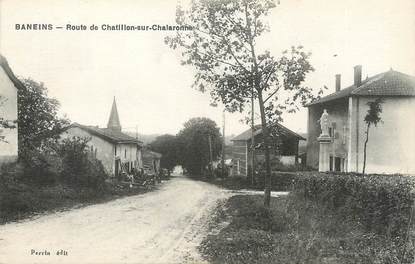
point(9, 86)
point(116, 150)
point(391, 144)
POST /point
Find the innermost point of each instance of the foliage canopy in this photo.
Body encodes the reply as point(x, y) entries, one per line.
point(193, 142)
point(223, 49)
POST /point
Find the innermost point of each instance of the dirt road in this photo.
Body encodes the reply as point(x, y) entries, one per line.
point(163, 226)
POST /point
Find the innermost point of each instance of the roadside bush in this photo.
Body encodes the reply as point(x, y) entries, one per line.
point(308, 233)
point(381, 203)
point(280, 181)
point(79, 167)
point(38, 168)
point(277, 165)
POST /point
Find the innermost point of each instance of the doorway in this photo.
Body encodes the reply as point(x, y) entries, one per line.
point(337, 164)
point(117, 167)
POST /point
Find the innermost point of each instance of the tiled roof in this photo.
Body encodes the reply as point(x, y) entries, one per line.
point(246, 135)
point(147, 154)
point(108, 134)
point(390, 83)
point(5, 65)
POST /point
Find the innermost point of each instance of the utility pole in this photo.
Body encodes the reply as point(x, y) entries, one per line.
point(252, 134)
point(136, 132)
point(223, 145)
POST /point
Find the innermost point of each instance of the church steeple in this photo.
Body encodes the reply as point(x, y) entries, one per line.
point(114, 121)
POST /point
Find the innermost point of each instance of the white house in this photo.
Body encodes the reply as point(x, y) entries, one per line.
point(391, 144)
point(9, 86)
point(116, 150)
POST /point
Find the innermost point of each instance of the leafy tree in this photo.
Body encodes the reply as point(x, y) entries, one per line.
point(222, 47)
point(193, 142)
point(166, 145)
point(38, 120)
point(372, 118)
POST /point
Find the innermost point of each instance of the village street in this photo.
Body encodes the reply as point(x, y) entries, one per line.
point(163, 226)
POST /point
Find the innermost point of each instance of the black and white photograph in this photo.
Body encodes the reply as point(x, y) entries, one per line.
point(207, 131)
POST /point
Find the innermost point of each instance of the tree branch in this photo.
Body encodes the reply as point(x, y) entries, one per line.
point(271, 95)
point(212, 57)
point(270, 72)
point(226, 41)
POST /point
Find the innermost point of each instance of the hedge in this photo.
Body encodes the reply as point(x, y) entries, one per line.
point(380, 203)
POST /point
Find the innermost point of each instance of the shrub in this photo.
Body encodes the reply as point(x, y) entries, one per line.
point(79, 167)
point(280, 181)
point(302, 231)
point(38, 168)
point(381, 203)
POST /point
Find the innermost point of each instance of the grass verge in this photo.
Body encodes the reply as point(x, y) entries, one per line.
point(294, 230)
point(22, 200)
point(281, 181)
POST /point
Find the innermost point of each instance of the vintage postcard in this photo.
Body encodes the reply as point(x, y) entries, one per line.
point(207, 131)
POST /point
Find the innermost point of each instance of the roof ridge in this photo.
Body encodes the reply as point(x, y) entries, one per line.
point(6, 67)
point(369, 81)
point(242, 136)
point(402, 85)
point(106, 133)
point(289, 130)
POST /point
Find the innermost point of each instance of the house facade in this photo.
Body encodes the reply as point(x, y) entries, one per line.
point(242, 150)
point(391, 142)
point(9, 86)
point(151, 160)
point(117, 151)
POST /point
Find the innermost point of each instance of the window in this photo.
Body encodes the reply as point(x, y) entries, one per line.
point(115, 150)
point(125, 153)
point(332, 130)
point(343, 162)
point(331, 163)
point(96, 151)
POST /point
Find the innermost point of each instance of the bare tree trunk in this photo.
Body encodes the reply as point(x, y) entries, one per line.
point(364, 149)
point(223, 146)
point(210, 156)
point(252, 137)
point(265, 134)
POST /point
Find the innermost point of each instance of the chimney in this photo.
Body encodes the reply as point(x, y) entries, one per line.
point(357, 75)
point(338, 82)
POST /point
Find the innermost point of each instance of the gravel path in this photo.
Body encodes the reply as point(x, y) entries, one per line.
point(164, 226)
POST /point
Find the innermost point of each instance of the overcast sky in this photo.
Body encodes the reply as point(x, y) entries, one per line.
point(84, 70)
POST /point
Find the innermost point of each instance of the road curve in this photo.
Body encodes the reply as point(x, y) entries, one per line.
point(164, 226)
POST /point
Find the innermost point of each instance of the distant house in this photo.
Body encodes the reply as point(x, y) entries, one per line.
point(242, 154)
point(391, 144)
point(116, 150)
point(9, 86)
point(151, 160)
